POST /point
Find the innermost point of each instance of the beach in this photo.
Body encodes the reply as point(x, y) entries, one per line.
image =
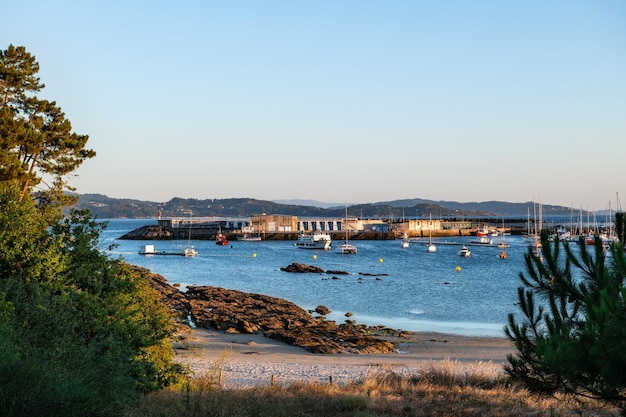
point(245, 360)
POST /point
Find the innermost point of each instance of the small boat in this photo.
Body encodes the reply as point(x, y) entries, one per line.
point(405, 240)
point(465, 252)
point(190, 251)
point(347, 249)
point(431, 246)
point(221, 240)
point(503, 254)
point(247, 238)
point(483, 240)
point(315, 240)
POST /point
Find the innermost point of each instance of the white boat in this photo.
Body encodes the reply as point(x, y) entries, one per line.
point(431, 246)
point(465, 252)
point(315, 240)
point(248, 238)
point(189, 250)
point(346, 248)
point(483, 240)
point(405, 240)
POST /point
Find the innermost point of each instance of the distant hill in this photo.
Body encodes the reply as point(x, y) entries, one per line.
point(104, 207)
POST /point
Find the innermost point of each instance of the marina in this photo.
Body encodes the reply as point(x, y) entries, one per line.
point(386, 284)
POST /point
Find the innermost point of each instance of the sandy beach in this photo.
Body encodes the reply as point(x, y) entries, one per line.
point(252, 359)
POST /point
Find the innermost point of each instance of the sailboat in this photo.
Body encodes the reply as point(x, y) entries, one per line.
point(405, 240)
point(503, 244)
point(189, 250)
point(346, 248)
point(431, 246)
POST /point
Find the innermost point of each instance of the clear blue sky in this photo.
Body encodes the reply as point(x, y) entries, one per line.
point(357, 101)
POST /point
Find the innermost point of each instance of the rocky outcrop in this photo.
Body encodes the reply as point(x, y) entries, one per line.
point(237, 311)
point(302, 268)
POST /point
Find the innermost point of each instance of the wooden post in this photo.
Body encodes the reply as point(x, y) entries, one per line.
point(272, 381)
point(330, 380)
point(220, 380)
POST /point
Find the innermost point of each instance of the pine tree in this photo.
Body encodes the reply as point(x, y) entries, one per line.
point(571, 335)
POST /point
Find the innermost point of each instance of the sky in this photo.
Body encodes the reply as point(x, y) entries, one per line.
point(338, 101)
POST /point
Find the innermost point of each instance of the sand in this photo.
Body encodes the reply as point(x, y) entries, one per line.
point(252, 359)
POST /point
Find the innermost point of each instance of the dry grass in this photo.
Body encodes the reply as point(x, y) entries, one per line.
point(446, 388)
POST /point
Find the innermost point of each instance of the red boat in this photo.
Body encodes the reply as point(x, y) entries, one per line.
point(220, 239)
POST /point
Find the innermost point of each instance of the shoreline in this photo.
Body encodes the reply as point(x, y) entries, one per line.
point(244, 360)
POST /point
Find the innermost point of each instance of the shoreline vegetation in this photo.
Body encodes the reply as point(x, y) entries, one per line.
point(238, 373)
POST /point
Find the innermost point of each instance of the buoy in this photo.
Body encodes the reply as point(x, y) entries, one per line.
point(380, 260)
point(314, 256)
point(254, 255)
point(458, 269)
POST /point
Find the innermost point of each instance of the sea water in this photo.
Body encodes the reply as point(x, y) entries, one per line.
point(402, 288)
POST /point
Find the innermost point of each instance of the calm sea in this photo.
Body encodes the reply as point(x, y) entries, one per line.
point(407, 288)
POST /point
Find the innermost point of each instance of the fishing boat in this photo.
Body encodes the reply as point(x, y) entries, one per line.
point(221, 239)
point(465, 252)
point(314, 240)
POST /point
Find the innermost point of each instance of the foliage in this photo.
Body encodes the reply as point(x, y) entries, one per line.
point(38, 146)
point(80, 334)
point(572, 336)
point(620, 226)
point(381, 393)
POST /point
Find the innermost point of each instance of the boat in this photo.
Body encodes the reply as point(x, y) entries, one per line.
point(431, 246)
point(405, 240)
point(221, 239)
point(482, 231)
point(502, 245)
point(483, 240)
point(346, 248)
point(316, 240)
point(248, 238)
point(189, 250)
point(465, 252)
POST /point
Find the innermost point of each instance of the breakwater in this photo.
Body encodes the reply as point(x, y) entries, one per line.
point(157, 232)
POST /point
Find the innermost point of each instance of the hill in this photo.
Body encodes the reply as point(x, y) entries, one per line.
point(104, 207)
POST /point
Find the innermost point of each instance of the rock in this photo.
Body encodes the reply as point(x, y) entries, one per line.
point(240, 312)
point(349, 314)
point(337, 272)
point(323, 310)
point(302, 268)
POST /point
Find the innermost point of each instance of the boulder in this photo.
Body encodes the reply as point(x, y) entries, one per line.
point(323, 310)
point(302, 268)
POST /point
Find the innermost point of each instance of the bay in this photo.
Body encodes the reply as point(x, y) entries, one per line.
point(403, 288)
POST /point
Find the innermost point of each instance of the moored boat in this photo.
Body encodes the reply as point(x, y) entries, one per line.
point(465, 252)
point(248, 238)
point(315, 240)
point(221, 240)
point(347, 249)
